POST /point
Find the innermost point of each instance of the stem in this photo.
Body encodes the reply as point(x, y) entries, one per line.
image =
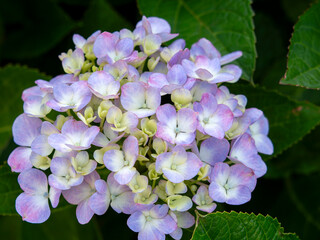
point(69, 112)
point(101, 123)
point(48, 119)
point(101, 167)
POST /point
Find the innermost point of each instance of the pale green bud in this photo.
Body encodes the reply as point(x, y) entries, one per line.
point(141, 136)
point(138, 183)
point(60, 121)
point(152, 173)
point(200, 136)
point(151, 44)
point(179, 203)
point(149, 126)
point(160, 190)
point(152, 63)
point(84, 76)
point(159, 146)
point(181, 98)
point(82, 164)
point(39, 161)
point(86, 66)
point(193, 188)
point(175, 188)
point(204, 172)
point(104, 108)
point(88, 116)
point(145, 197)
point(142, 154)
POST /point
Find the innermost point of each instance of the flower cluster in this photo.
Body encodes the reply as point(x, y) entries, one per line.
point(140, 127)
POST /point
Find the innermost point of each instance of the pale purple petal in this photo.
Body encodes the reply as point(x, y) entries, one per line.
point(217, 192)
point(54, 196)
point(230, 57)
point(166, 133)
point(150, 232)
point(124, 202)
point(187, 120)
point(58, 141)
point(157, 80)
point(129, 98)
point(103, 85)
point(103, 44)
point(33, 181)
point(167, 115)
point(263, 144)
point(241, 175)
point(19, 159)
point(191, 167)
point(25, 129)
point(136, 222)
point(33, 208)
point(124, 48)
point(113, 159)
point(124, 175)
point(238, 195)
point(41, 146)
point(84, 212)
point(213, 150)
point(173, 176)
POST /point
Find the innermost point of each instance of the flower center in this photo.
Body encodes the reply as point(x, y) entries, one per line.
point(173, 166)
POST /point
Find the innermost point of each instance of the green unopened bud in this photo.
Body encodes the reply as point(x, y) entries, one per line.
point(138, 183)
point(181, 98)
point(204, 172)
point(149, 126)
point(151, 44)
point(141, 136)
point(152, 63)
point(145, 197)
point(193, 188)
point(179, 203)
point(175, 188)
point(160, 190)
point(60, 121)
point(84, 76)
point(98, 154)
point(88, 50)
point(104, 108)
point(88, 116)
point(159, 146)
point(200, 136)
point(152, 173)
point(142, 154)
point(86, 66)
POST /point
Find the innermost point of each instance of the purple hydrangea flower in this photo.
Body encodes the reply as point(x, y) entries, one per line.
point(183, 220)
point(176, 128)
point(143, 104)
point(152, 223)
point(213, 119)
point(178, 165)
point(213, 150)
point(75, 135)
point(122, 162)
point(232, 185)
point(203, 200)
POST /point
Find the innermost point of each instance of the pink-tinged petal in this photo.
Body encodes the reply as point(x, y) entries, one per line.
point(129, 98)
point(189, 67)
point(159, 211)
point(208, 48)
point(103, 85)
point(167, 115)
point(213, 129)
point(32, 91)
point(136, 222)
point(124, 175)
point(124, 202)
point(33, 181)
point(25, 129)
point(222, 77)
point(241, 175)
point(113, 159)
point(48, 128)
point(178, 57)
point(207, 208)
point(173, 176)
point(150, 232)
point(58, 141)
point(191, 167)
point(77, 194)
point(230, 57)
point(64, 78)
point(157, 80)
point(81, 95)
point(164, 160)
point(63, 93)
point(89, 135)
point(177, 75)
point(153, 98)
point(35, 106)
point(41, 146)
point(159, 25)
point(187, 120)
point(203, 74)
point(54, 196)
point(84, 212)
point(238, 195)
point(223, 116)
point(201, 87)
point(103, 44)
point(78, 40)
point(185, 138)
point(165, 133)
point(131, 148)
point(220, 173)
point(141, 113)
point(263, 144)
point(213, 150)
point(19, 159)
point(233, 70)
point(124, 48)
point(33, 208)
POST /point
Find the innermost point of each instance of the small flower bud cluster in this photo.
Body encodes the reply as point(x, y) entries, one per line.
point(142, 128)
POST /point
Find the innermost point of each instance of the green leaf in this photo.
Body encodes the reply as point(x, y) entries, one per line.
point(226, 23)
point(61, 225)
point(304, 55)
point(289, 120)
point(233, 225)
point(41, 25)
point(13, 80)
point(101, 16)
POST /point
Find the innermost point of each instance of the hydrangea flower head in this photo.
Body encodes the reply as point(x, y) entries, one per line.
point(105, 136)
